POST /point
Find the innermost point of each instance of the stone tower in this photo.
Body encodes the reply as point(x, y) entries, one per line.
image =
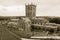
point(30, 10)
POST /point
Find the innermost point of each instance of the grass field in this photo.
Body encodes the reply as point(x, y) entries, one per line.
point(5, 35)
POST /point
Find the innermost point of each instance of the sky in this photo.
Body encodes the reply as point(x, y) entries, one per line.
point(17, 7)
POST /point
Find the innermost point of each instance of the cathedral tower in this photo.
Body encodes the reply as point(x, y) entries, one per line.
point(30, 10)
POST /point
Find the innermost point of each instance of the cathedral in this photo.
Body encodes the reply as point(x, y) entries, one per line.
point(30, 23)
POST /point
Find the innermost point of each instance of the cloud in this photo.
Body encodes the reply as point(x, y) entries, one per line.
point(16, 10)
point(48, 8)
point(11, 2)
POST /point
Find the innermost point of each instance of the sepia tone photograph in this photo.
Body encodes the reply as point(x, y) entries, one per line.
point(29, 19)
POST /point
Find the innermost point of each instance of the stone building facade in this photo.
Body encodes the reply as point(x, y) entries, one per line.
point(24, 24)
point(40, 21)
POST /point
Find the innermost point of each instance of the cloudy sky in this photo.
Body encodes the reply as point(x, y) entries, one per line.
point(17, 7)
